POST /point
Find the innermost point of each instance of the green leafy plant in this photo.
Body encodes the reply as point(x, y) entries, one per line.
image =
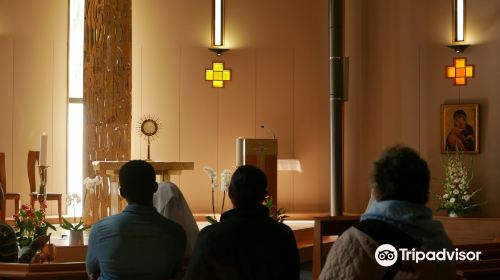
point(457, 197)
point(78, 227)
point(275, 214)
point(30, 224)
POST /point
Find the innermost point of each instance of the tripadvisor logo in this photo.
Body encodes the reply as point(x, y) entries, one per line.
point(386, 255)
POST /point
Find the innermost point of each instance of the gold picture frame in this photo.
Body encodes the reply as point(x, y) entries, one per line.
point(460, 128)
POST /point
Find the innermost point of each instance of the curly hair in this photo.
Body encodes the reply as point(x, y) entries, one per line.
point(401, 174)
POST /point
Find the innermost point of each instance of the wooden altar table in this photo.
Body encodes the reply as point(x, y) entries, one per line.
point(104, 200)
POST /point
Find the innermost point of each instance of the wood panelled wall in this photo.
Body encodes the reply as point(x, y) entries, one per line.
point(279, 58)
point(33, 90)
point(279, 62)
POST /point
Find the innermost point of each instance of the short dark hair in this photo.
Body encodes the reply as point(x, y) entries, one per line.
point(401, 174)
point(248, 186)
point(138, 181)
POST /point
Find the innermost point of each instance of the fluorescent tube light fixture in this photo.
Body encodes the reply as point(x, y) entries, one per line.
point(459, 20)
point(218, 23)
point(459, 27)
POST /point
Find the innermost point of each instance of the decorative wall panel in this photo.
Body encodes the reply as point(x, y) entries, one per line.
point(107, 89)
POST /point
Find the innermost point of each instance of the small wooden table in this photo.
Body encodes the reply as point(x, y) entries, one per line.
point(105, 200)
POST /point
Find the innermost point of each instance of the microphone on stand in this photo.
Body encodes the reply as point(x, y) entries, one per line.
point(268, 129)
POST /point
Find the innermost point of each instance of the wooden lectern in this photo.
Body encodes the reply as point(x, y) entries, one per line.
point(262, 153)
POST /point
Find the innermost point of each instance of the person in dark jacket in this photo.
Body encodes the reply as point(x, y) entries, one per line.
point(246, 243)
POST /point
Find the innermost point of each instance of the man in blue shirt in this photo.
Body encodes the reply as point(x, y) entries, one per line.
point(138, 243)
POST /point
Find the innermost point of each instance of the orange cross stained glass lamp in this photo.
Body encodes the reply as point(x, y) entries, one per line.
point(460, 71)
point(217, 74)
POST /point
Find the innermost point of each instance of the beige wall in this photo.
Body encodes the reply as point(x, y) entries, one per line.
point(280, 78)
point(279, 61)
point(33, 50)
point(398, 53)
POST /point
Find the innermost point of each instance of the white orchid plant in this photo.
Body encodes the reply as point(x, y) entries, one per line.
point(225, 178)
point(73, 199)
point(91, 185)
point(457, 197)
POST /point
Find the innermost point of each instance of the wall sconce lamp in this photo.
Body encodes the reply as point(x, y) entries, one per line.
point(218, 74)
point(459, 71)
point(459, 27)
point(218, 27)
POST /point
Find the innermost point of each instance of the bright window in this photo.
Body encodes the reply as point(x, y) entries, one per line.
point(75, 102)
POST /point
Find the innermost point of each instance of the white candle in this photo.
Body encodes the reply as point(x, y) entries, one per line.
point(42, 160)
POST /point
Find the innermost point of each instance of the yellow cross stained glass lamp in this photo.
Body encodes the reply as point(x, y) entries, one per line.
point(460, 71)
point(218, 74)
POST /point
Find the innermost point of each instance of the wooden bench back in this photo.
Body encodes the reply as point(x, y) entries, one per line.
point(54, 271)
point(327, 226)
point(471, 230)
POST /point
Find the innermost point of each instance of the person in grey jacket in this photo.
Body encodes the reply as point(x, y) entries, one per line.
point(398, 217)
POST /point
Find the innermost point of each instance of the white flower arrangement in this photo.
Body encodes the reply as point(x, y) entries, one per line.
point(457, 197)
point(225, 179)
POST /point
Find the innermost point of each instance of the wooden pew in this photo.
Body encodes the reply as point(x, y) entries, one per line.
point(324, 227)
point(488, 267)
point(467, 265)
point(479, 273)
point(479, 246)
point(471, 230)
point(54, 271)
point(488, 250)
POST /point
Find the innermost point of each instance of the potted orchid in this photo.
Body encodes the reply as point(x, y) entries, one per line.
point(75, 231)
point(225, 178)
point(91, 186)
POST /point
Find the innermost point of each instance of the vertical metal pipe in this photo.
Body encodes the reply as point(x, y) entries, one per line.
point(336, 28)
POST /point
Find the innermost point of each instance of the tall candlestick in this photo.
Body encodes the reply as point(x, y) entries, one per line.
point(42, 160)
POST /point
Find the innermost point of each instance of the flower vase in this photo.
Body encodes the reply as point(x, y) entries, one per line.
point(75, 238)
point(453, 215)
